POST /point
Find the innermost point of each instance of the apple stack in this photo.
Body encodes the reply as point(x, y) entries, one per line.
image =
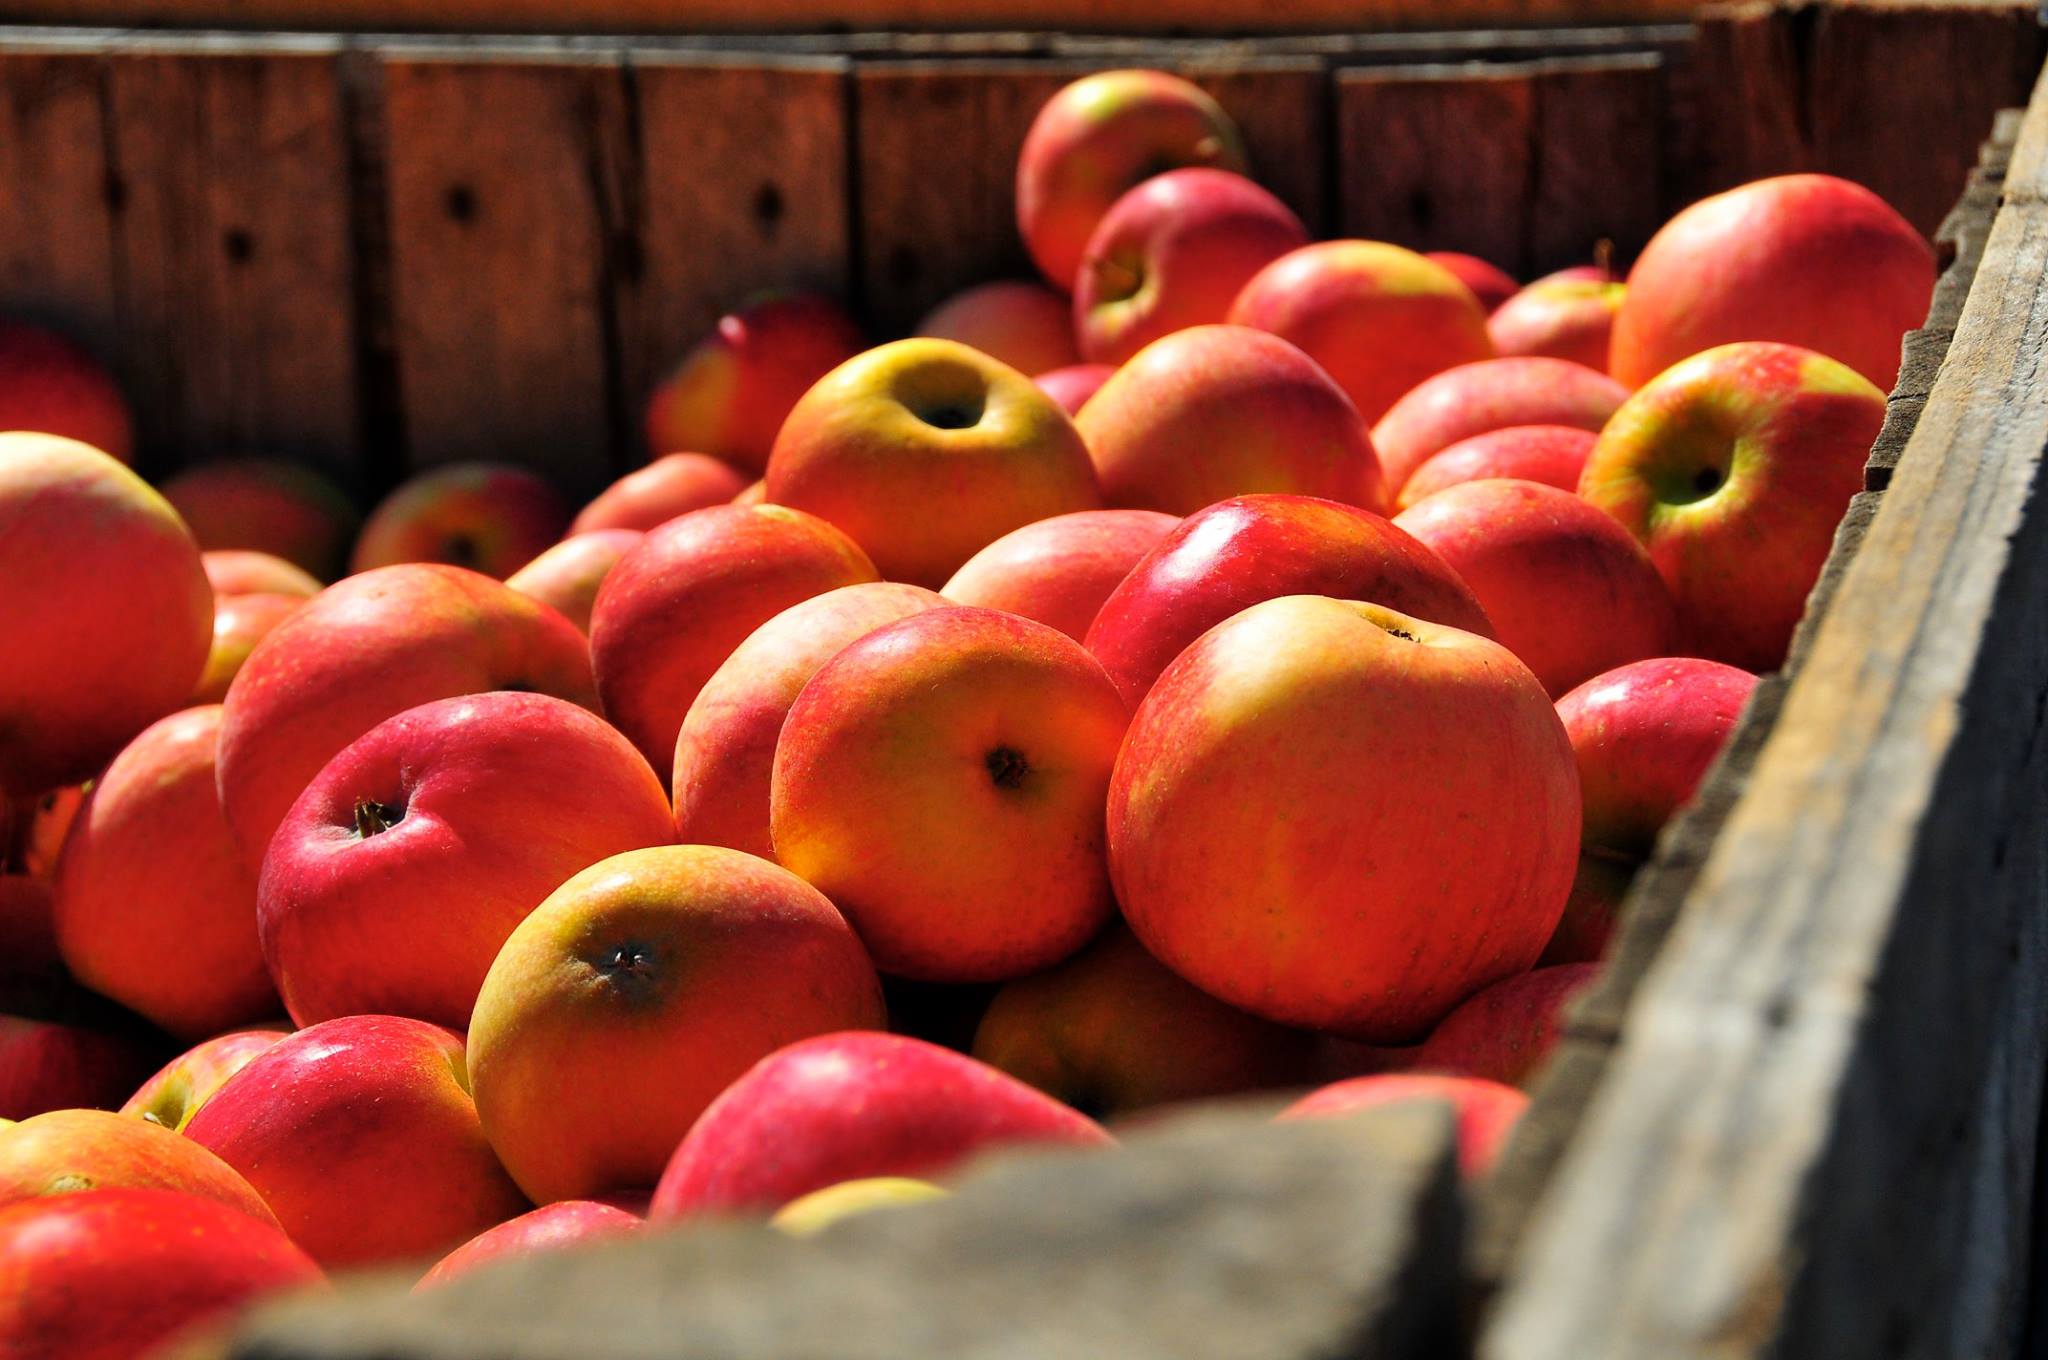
point(1236, 662)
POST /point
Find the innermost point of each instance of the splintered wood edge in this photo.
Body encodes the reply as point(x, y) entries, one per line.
point(1669, 1226)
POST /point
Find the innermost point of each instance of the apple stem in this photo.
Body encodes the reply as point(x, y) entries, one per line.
point(373, 817)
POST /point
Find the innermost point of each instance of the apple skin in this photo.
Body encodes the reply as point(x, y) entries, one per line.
point(1100, 136)
point(1491, 395)
point(1486, 1111)
point(239, 623)
point(847, 1107)
point(155, 906)
point(1111, 1032)
point(45, 821)
point(45, 1065)
point(1017, 322)
point(1504, 1032)
point(186, 1082)
point(1251, 548)
point(1592, 913)
point(819, 1210)
point(1218, 411)
point(399, 872)
point(1568, 590)
point(361, 1136)
point(732, 390)
point(51, 385)
point(1489, 283)
point(926, 451)
point(121, 1273)
point(551, 1227)
point(688, 961)
point(725, 752)
point(1554, 455)
point(756, 493)
point(941, 780)
point(239, 571)
point(1370, 909)
point(365, 649)
point(1059, 571)
point(67, 1152)
point(1073, 385)
point(1807, 260)
point(285, 509)
point(567, 577)
point(676, 606)
point(1172, 253)
point(1733, 468)
point(1561, 318)
point(115, 630)
point(1378, 318)
point(488, 517)
point(673, 484)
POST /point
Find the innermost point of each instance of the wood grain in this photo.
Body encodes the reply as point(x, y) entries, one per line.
point(1596, 138)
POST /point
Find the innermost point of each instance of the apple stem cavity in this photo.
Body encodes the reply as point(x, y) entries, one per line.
point(1007, 767)
point(373, 817)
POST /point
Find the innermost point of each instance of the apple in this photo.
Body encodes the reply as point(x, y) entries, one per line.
point(924, 452)
point(941, 780)
point(1491, 395)
point(1059, 571)
point(488, 517)
point(1562, 318)
point(637, 992)
point(1551, 454)
point(1073, 385)
point(1568, 590)
point(852, 1106)
point(1172, 253)
point(47, 1065)
point(811, 1214)
point(67, 1152)
point(122, 1273)
point(1370, 905)
point(285, 509)
point(567, 576)
point(1378, 318)
point(239, 623)
point(1251, 548)
point(673, 484)
point(1505, 1031)
point(1807, 260)
point(1023, 324)
point(107, 614)
point(1098, 137)
point(361, 1136)
point(1733, 468)
point(1111, 1031)
point(1593, 912)
point(365, 649)
point(46, 821)
point(729, 395)
point(725, 751)
point(551, 1227)
point(155, 906)
point(1218, 411)
point(51, 385)
point(676, 606)
point(239, 571)
point(183, 1084)
point(1486, 1111)
point(1489, 283)
point(756, 493)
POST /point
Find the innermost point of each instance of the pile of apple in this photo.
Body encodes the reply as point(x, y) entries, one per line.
point(949, 744)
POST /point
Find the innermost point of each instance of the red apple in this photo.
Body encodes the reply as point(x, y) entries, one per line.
point(755, 494)
point(1073, 385)
point(399, 872)
point(548, 1228)
point(1060, 570)
point(726, 748)
point(926, 451)
point(239, 571)
point(1172, 253)
point(155, 906)
point(674, 608)
point(46, 1065)
point(941, 780)
point(1474, 398)
point(673, 484)
point(1097, 138)
point(103, 604)
point(66, 1152)
point(1807, 260)
point(50, 385)
point(847, 1107)
point(1486, 1111)
point(285, 509)
point(1562, 318)
point(636, 993)
point(360, 1135)
point(485, 516)
point(729, 395)
point(239, 623)
point(1218, 411)
point(1489, 283)
point(1505, 1031)
point(1366, 905)
point(566, 577)
point(1733, 469)
point(116, 1275)
point(1241, 551)
point(45, 821)
point(1568, 590)
point(186, 1082)
point(1025, 325)
point(1551, 454)
point(1592, 913)
point(1378, 318)
point(365, 649)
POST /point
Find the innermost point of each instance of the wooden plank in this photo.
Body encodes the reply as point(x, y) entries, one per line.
point(1817, 1133)
point(1282, 107)
point(1596, 135)
point(1742, 101)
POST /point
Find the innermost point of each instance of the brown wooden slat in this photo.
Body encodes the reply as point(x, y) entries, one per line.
point(1743, 102)
point(1282, 107)
point(1596, 133)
